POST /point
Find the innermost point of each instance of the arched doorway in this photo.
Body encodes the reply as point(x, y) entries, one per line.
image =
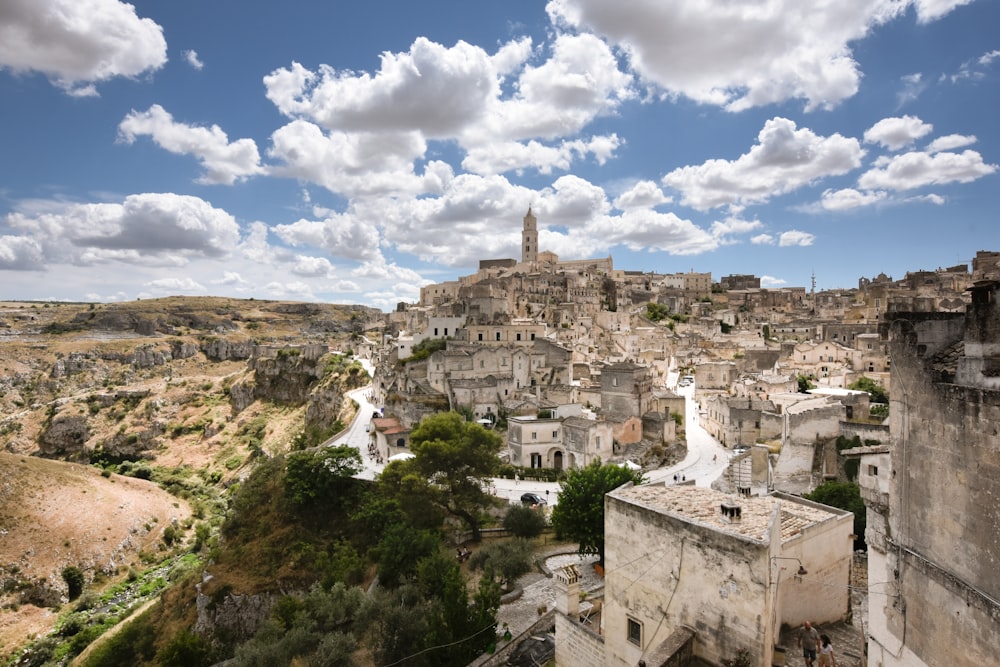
point(557, 460)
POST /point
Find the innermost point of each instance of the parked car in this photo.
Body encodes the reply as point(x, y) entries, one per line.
point(532, 499)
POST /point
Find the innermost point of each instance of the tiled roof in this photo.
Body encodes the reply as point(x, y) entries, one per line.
point(703, 506)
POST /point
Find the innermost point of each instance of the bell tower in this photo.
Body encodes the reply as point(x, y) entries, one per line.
point(529, 239)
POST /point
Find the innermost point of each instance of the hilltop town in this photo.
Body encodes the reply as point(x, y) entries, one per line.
point(572, 363)
point(601, 352)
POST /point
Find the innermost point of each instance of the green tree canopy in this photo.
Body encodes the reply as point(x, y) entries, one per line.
point(452, 460)
point(508, 560)
point(845, 496)
point(524, 521)
point(875, 391)
point(320, 477)
point(580, 512)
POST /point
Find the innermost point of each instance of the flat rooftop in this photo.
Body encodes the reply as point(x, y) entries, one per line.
point(702, 505)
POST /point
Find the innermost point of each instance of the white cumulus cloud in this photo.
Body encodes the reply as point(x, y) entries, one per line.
point(225, 162)
point(784, 159)
point(913, 170)
point(77, 43)
point(897, 133)
point(739, 54)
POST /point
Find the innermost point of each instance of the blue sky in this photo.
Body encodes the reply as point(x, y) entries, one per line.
point(353, 152)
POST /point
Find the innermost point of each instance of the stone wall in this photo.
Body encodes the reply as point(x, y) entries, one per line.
point(578, 646)
point(937, 538)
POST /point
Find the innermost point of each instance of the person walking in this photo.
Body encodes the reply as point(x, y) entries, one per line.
point(809, 643)
point(826, 657)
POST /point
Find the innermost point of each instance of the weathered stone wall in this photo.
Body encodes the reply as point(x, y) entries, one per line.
point(577, 646)
point(878, 432)
point(661, 570)
point(938, 537)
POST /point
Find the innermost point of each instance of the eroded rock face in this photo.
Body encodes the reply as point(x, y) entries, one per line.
point(224, 349)
point(75, 362)
point(241, 395)
point(65, 434)
point(232, 615)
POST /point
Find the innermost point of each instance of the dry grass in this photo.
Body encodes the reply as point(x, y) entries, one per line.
point(55, 514)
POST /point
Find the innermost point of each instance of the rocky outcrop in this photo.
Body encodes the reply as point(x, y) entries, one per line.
point(231, 615)
point(65, 434)
point(227, 349)
point(241, 395)
point(182, 349)
point(288, 376)
point(75, 362)
point(324, 407)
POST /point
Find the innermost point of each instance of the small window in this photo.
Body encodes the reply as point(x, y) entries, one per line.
point(498, 335)
point(555, 434)
point(435, 331)
point(534, 436)
point(480, 336)
point(635, 631)
point(873, 471)
point(519, 336)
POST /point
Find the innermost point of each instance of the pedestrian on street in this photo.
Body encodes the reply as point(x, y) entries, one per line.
point(808, 642)
point(826, 658)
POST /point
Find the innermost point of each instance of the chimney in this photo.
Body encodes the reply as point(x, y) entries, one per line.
point(731, 511)
point(568, 585)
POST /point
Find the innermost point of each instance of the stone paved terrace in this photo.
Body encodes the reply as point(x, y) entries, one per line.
point(540, 589)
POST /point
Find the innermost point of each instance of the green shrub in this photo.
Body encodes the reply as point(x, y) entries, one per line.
point(75, 580)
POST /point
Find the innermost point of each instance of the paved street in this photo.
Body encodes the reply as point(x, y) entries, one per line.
point(706, 458)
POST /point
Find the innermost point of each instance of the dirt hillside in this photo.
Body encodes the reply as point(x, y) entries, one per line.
point(55, 514)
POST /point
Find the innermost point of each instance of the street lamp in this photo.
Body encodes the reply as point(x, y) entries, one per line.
point(802, 570)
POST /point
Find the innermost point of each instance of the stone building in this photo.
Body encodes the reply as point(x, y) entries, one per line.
point(626, 389)
point(690, 569)
point(933, 518)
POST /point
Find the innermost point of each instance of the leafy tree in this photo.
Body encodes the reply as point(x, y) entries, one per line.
point(454, 624)
point(400, 551)
point(396, 622)
point(523, 521)
point(74, 578)
point(508, 560)
point(875, 391)
point(320, 477)
point(656, 311)
point(405, 495)
point(456, 457)
point(185, 650)
point(845, 496)
point(580, 512)
point(805, 383)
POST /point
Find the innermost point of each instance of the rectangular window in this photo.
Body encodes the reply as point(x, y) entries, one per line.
point(635, 631)
point(534, 436)
point(498, 335)
point(873, 471)
point(519, 336)
point(480, 336)
point(435, 331)
point(555, 434)
point(532, 336)
point(597, 441)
